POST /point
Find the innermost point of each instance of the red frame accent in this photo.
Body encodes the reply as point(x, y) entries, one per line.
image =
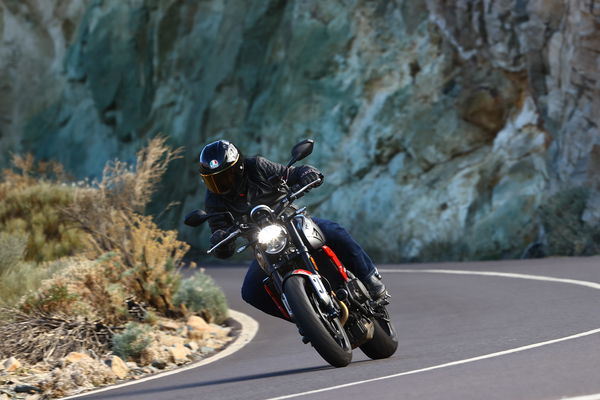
point(301, 271)
point(337, 262)
point(277, 302)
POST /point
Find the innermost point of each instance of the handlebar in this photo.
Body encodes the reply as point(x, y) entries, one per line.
point(286, 200)
point(294, 196)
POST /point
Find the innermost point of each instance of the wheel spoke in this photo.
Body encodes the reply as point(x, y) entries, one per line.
point(325, 334)
point(331, 326)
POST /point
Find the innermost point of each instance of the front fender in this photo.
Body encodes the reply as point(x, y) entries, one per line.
point(316, 283)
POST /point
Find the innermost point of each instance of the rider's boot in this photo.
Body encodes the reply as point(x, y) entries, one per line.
point(375, 285)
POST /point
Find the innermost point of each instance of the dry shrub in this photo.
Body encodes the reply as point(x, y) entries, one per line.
point(17, 276)
point(153, 257)
point(33, 233)
point(109, 213)
point(26, 172)
point(127, 256)
point(147, 258)
point(31, 199)
point(85, 288)
point(37, 336)
point(107, 209)
point(134, 258)
point(126, 188)
point(54, 219)
point(85, 373)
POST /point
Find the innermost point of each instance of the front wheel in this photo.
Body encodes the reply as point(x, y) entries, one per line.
point(325, 333)
point(385, 339)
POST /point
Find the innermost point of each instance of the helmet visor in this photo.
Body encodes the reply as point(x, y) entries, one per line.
point(223, 181)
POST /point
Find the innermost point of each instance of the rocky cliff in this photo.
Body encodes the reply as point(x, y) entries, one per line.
point(446, 129)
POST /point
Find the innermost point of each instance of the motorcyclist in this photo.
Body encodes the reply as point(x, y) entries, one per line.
point(235, 183)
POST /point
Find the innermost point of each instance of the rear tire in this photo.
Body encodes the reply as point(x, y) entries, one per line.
point(327, 336)
point(384, 342)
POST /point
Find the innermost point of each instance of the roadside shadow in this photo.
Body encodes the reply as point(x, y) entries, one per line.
point(244, 378)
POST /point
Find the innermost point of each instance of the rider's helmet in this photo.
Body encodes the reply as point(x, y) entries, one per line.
point(221, 166)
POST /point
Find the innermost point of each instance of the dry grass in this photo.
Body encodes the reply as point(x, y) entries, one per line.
point(86, 288)
point(147, 256)
point(17, 276)
point(128, 188)
point(43, 216)
point(31, 199)
point(38, 336)
point(26, 172)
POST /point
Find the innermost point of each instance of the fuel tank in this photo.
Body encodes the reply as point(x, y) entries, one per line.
point(310, 232)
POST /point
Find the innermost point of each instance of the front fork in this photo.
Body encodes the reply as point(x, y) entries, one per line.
point(311, 274)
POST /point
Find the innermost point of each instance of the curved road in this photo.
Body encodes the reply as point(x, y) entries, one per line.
point(531, 330)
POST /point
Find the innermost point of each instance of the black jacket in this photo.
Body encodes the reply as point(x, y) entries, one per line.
point(255, 189)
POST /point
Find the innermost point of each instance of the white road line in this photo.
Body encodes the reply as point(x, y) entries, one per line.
point(588, 284)
point(248, 331)
point(592, 285)
point(450, 364)
point(588, 397)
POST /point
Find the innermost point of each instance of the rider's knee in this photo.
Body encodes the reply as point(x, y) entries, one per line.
point(246, 294)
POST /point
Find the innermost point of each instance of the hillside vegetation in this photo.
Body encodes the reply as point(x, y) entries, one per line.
point(84, 255)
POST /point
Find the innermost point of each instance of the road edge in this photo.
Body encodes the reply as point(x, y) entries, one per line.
point(248, 329)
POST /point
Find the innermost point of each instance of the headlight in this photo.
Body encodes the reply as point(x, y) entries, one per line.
point(273, 238)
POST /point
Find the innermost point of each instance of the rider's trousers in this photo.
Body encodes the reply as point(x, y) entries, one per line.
point(337, 238)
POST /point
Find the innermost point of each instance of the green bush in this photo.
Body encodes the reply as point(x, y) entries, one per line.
point(201, 295)
point(35, 212)
point(45, 217)
point(93, 289)
point(32, 199)
point(57, 298)
point(12, 249)
point(17, 276)
point(132, 341)
point(116, 254)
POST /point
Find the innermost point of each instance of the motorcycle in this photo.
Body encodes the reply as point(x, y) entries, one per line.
point(332, 309)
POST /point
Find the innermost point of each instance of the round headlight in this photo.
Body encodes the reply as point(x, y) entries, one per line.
point(273, 238)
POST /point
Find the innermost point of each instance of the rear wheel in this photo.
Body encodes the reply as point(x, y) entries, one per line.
point(385, 340)
point(325, 333)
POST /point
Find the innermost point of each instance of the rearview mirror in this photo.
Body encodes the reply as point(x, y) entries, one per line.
point(196, 218)
point(301, 150)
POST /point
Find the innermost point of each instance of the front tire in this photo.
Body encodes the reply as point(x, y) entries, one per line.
point(326, 335)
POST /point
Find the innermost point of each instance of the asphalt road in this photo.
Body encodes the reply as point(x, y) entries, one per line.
point(462, 336)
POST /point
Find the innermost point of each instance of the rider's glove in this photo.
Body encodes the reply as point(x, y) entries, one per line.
point(309, 175)
point(224, 251)
point(217, 236)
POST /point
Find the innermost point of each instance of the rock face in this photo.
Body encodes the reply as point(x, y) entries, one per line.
point(441, 126)
point(34, 36)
